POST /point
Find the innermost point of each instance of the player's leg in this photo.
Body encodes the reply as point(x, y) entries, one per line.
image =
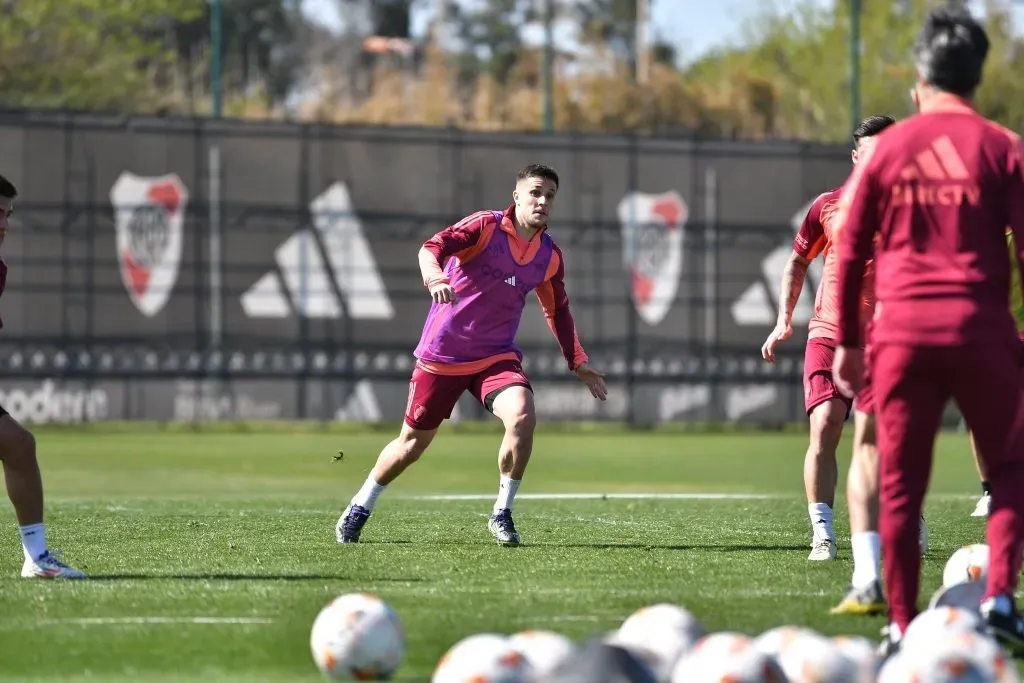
point(25, 489)
point(827, 410)
point(991, 398)
point(985, 502)
point(431, 401)
point(865, 595)
point(910, 395)
point(504, 391)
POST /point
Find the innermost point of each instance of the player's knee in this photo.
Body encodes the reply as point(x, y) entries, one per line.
point(413, 443)
point(827, 423)
point(17, 444)
point(864, 436)
point(521, 423)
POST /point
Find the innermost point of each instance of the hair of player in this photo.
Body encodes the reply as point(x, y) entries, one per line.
point(950, 51)
point(872, 126)
point(7, 189)
point(538, 171)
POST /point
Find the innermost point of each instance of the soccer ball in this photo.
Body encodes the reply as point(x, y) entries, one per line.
point(940, 666)
point(896, 669)
point(656, 663)
point(357, 637)
point(969, 564)
point(862, 653)
point(813, 658)
point(933, 624)
point(482, 658)
point(979, 648)
point(659, 634)
point(773, 641)
point(727, 657)
point(544, 650)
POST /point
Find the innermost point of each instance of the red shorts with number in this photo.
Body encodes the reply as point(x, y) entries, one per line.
point(818, 384)
point(432, 398)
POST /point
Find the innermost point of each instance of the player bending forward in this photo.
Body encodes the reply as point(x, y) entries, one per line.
point(494, 259)
point(939, 190)
point(826, 407)
point(18, 454)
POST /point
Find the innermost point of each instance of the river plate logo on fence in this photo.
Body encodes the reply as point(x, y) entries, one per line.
point(652, 249)
point(149, 213)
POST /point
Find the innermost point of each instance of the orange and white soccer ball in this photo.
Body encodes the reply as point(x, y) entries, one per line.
point(773, 641)
point(863, 653)
point(936, 667)
point(357, 637)
point(483, 658)
point(979, 648)
point(729, 657)
point(813, 658)
point(659, 634)
point(939, 622)
point(969, 564)
point(544, 650)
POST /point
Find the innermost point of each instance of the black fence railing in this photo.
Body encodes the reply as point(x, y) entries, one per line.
point(243, 271)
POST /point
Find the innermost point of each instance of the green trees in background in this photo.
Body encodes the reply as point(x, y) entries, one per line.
point(477, 66)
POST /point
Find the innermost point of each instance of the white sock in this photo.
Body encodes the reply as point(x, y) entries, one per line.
point(507, 488)
point(821, 521)
point(367, 496)
point(867, 555)
point(33, 540)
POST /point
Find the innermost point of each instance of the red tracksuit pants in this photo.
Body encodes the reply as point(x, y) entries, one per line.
point(912, 386)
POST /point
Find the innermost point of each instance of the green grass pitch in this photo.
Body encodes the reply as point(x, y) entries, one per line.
point(177, 526)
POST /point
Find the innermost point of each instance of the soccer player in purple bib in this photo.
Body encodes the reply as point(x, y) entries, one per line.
point(479, 272)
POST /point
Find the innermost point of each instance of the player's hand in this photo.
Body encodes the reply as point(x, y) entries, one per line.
point(848, 370)
point(594, 381)
point(442, 293)
point(782, 332)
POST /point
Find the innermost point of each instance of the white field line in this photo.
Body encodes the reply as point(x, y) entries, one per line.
point(599, 496)
point(107, 621)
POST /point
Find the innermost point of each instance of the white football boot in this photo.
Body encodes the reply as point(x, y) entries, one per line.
point(823, 550)
point(47, 566)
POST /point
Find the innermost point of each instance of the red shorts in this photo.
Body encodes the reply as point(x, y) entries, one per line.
point(432, 398)
point(818, 384)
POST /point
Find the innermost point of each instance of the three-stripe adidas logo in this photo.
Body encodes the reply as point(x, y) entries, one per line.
point(938, 161)
point(361, 405)
point(511, 281)
point(317, 270)
point(948, 180)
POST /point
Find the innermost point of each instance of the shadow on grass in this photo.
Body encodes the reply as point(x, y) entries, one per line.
point(726, 548)
point(245, 577)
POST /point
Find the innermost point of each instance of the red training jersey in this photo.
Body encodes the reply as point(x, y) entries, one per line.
point(817, 235)
point(939, 189)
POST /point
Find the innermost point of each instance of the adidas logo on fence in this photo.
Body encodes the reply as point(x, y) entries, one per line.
point(315, 280)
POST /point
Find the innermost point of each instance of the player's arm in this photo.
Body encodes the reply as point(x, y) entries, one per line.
point(793, 276)
point(808, 243)
point(555, 302)
point(456, 241)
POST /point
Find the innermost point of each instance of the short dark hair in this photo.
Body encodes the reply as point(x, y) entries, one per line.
point(950, 51)
point(872, 126)
point(7, 189)
point(537, 171)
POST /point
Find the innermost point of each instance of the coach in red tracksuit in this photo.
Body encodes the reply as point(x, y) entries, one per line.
point(931, 205)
